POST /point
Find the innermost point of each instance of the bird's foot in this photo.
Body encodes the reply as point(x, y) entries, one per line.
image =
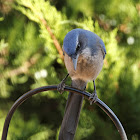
point(61, 86)
point(93, 98)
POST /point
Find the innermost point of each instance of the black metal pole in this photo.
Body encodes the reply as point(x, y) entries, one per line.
point(27, 95)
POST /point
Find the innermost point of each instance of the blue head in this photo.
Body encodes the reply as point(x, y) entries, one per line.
point(77, 40)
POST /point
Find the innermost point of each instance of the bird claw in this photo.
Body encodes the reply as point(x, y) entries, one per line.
point(61, 87)
point(93, 98)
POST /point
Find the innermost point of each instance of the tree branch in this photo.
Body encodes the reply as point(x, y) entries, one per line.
point(55, 41)
point(22, 69)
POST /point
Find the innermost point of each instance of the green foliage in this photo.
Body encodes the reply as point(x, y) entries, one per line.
point(29, 59)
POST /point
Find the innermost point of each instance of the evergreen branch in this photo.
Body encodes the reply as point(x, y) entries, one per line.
point(39, 17)
point(22, 69)
point(55, 41)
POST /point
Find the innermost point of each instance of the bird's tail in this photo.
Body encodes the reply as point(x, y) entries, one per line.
point(72, 112)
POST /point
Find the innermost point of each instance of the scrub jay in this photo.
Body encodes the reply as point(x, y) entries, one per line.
point(84, 52)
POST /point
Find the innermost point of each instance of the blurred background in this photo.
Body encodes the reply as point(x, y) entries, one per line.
point(31, 38)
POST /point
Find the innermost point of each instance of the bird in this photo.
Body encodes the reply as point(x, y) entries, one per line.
point(84, 53)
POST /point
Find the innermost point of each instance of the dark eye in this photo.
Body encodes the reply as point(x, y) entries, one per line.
point(78, 47)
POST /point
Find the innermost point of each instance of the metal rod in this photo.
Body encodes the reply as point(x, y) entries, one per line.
point(29, 94)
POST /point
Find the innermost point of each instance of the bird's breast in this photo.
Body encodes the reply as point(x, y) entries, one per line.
point(88, 67)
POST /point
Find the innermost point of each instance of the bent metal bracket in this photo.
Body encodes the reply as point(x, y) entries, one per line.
point(29, 94)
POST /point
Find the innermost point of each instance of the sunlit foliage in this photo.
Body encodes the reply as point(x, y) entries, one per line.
point(29, 58)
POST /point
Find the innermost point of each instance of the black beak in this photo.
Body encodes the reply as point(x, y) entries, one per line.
point(74, 60)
